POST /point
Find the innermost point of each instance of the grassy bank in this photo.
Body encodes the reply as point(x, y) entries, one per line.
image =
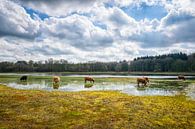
point(66, 79)
point(83, 110)
point(115, 73)
point(129, 73)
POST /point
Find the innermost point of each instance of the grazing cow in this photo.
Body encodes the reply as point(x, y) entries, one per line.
point(23, 78)
point(89, 79)
point(181, 77)
point(56, 79)
point(56, 82)
point(143, 80)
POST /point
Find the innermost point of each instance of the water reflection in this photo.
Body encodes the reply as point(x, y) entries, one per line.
point(190, 91)
point(88, 85)
point(126, 88)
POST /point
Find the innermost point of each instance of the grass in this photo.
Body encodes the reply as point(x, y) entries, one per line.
point(169, 84)
point(114, 73)
point(23, 109)
point(70, 79)
point(3, 78)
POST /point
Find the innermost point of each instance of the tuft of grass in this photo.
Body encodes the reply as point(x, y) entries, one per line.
point(169, 84)
point(92, 110)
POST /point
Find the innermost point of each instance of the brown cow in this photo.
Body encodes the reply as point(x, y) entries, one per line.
point(56, 82)
point(143, 80)
point(56, 79)
point(181, 77)
point(89, 79)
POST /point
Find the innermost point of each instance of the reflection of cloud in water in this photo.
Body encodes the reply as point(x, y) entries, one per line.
point(149, 91)
point(190, 91)
point(74, 86)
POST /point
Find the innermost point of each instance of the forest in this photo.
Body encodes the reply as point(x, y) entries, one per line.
point(176, 62)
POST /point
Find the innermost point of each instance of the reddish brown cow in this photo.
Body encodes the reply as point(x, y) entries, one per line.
point(56, 82)
point(181, 77)
point(56, 79)
point(89, 79)
point(143, 81)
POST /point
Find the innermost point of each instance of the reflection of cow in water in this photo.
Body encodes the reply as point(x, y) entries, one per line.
point(89, 79)
point(143, 81)
point(181, 77)
point(23, 78)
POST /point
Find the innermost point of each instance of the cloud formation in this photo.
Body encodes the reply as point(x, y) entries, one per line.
point(99, 30)
point(15, 21)
point(59, 7)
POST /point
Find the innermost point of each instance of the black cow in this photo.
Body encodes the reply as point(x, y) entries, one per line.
point(23, 78)
point(181, 77)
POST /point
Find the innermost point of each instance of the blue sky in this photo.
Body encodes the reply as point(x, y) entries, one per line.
point(107, 30)
point(33, 13)
point(145, 11)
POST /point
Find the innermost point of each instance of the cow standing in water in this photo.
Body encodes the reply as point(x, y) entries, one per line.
point(143, 81)
point(23, 78)
point(56, 79)
point(89, 79)
point(181, 77)
point(56, 82)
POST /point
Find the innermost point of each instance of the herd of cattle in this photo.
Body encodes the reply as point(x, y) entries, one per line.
point(144, 80)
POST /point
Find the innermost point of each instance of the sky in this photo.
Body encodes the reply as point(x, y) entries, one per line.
point(95, 30)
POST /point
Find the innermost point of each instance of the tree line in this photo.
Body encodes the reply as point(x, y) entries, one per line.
point(177, 62)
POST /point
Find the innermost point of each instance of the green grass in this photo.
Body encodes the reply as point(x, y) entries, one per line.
point(116, 73)
point(66, 79)
point(23, 109)
point(169, 84)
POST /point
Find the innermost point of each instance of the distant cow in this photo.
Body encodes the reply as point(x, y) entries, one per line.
point(89, 79)
point(181, 77)
point(56, 82)
point(23, 78)
point(143, 81)
point(56, 79)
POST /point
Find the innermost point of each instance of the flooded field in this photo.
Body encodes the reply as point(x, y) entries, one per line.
point(162, 88)
point(163, 103)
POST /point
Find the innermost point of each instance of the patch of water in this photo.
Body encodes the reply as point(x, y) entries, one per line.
point(190, 91)
point(75, 86)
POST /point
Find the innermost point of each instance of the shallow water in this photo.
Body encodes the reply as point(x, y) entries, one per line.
point(190, 91)
point(74, 86)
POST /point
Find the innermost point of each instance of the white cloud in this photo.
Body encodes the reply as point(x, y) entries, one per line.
point(176, 27)
point(93, 30)
point(78, 31)
point(15, 22)
point(59, 7)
